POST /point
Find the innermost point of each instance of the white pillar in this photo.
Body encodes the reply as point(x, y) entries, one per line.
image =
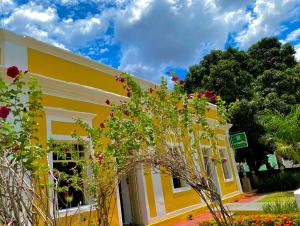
point(297, 197)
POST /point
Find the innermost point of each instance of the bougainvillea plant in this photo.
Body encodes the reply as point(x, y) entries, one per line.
point(160, 128)
point(20, 153)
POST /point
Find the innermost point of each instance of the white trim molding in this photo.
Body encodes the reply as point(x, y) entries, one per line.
point(158, 192)
point(63, 114)
point(231, 152)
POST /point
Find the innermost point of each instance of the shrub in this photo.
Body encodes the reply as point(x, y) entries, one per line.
point(263, 220)
point(280, 207)
point(283, 182)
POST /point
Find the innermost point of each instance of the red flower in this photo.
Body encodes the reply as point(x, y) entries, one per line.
point(66, 194)
point(107, 102)
point(102, 125)
point(181, 82)
point(100, 158)
point(126, 112)
point(13, 72)
point(151, 90)
point(4, 112)
point(200, 95)
point(208, 93)
point(174, 78)
point(66, 149)
point(14, 149)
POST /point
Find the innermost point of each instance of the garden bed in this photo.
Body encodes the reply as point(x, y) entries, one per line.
point(262, 220)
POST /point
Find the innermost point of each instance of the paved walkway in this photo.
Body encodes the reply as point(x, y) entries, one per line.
point(245, 204)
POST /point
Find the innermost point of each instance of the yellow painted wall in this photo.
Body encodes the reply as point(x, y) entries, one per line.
point(39, 62)
point(150, 193)
point(174, 201)
point(66, 128)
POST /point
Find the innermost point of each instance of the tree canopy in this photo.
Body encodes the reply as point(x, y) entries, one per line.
point(284, 132)
point(264, 77)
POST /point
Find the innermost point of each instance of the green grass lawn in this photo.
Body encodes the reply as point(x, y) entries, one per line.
point(279, 197)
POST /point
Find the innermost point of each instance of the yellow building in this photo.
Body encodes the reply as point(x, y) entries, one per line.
point(74, 86)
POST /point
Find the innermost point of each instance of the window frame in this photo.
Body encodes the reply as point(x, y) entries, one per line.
point(85, 154)
point(185, 187)
point(65, 115)
point(88, 204)
point(228, 165)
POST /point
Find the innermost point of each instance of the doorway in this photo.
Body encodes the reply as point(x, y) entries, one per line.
point(129, 200)
point(125, 201)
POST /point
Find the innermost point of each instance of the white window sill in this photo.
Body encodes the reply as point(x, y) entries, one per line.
point(182, 189)
point(76, 210)
point(228, 180)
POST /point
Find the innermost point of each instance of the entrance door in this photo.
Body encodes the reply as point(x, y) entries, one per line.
point(125, 201)
point(130, 201)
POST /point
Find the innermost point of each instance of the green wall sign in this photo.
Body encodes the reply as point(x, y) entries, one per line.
point(239, 140)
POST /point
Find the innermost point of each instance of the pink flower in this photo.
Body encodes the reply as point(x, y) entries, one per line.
point(213, 99)
point(200, 95)
point(4, 112)
point(174, 78)
point(107, 102)
point(190, 96)
point(100, 158)
point(13, 72)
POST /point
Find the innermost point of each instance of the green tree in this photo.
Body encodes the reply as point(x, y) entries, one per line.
point(264, 77)
point(225, 72)
point(270, 53)
point(283, 131)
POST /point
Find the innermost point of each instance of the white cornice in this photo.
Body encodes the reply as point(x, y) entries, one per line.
point(52, 111)
point(73, 91)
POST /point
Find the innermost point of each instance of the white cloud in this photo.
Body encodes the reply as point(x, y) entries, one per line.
point(267, 19)
point(104, 50)
point(43, 23)
point(152, 34)
point(293, 36)
point(155, 34)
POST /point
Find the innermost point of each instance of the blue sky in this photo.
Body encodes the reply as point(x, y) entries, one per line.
point(150, 37)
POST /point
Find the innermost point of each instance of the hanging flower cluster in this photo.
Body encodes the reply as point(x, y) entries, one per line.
point(12, 72)
point(208, 94)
